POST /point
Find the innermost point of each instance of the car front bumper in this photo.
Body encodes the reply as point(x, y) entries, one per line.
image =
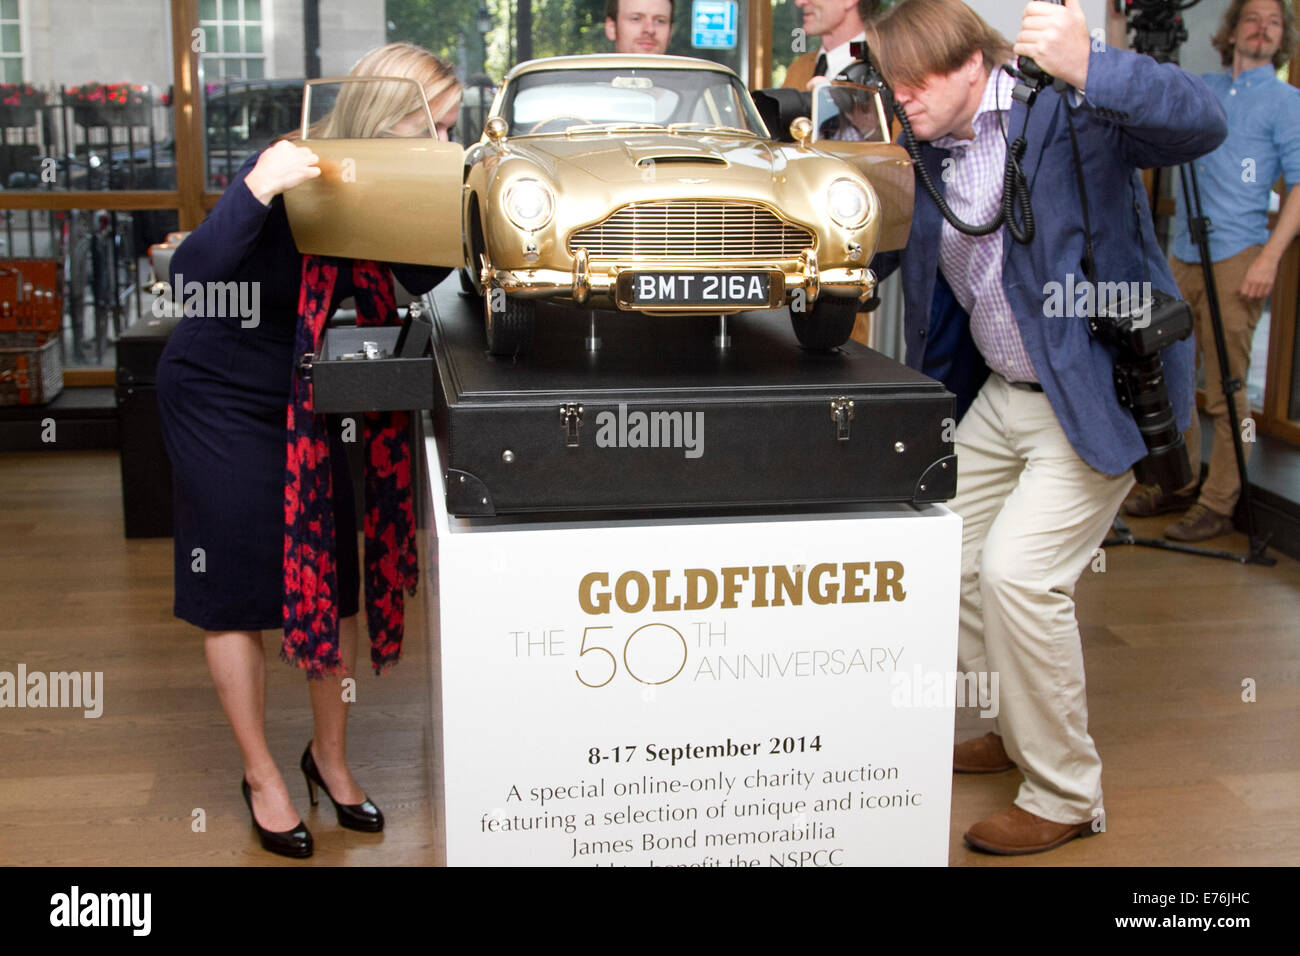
point(596, 282)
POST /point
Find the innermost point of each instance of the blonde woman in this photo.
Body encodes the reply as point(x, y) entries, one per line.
point(226, 386)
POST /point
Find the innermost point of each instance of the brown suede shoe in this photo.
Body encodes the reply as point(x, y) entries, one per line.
point(1146, 501)
point(1199, 524)
point(981, 755)
point(1015, 832)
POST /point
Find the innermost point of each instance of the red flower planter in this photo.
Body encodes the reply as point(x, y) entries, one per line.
point(19, 104)
point(110, 104)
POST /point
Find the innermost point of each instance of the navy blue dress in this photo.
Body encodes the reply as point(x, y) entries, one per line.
point(223, 391)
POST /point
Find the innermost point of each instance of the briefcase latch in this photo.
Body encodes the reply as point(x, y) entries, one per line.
point(571, 421)
point(842, 415)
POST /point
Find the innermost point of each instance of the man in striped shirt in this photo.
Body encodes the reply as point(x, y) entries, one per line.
point(1045, 450)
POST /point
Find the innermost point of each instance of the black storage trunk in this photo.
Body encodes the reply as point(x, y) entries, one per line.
point(659, 418)
point(146, 470)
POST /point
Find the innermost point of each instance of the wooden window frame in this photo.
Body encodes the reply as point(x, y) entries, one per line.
point(1274, 419)
point(189, 198)
point(192, 200)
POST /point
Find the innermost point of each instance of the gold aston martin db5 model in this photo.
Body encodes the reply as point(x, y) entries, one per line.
point(642, 184)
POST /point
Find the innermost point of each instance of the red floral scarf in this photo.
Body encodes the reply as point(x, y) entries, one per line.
point(311, 619)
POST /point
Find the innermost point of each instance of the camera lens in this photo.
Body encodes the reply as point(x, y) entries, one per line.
point(1166, 463)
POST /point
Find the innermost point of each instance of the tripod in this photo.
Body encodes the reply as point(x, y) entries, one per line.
point(1199, 230)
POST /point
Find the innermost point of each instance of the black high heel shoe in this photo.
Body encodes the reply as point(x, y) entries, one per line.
point(364, 816)
point(296, 842)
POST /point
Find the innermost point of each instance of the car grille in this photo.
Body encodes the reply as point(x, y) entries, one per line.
point(693, 230)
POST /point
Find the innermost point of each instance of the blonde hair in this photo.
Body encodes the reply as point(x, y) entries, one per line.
point(920, 38)
point(368, 110)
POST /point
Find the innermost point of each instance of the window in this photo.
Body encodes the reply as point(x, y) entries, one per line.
point(11, 48)
point(232, 33)
point(550, 101)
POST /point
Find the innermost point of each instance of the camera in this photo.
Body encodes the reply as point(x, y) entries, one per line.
point(1137, 335)
point(780, 107)
point(1157, 26)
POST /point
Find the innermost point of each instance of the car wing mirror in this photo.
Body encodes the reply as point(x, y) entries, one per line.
point(849, 112)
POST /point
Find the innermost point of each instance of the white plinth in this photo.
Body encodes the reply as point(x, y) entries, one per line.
point(777, 721)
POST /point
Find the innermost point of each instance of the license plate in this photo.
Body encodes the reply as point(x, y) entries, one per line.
point(722, 289)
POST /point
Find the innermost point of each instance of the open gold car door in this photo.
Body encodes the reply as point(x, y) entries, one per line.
point(388, 198)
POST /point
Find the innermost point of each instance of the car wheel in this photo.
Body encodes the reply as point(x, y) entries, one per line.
point(467, 283)
point(469, 273)
point(828, 325)
point(510, 325)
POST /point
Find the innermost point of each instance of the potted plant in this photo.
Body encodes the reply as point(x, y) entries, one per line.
point(19, 103)
point(110, 104)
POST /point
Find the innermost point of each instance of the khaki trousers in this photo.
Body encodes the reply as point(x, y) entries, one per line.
point(1240, 316)
point(1033, 515)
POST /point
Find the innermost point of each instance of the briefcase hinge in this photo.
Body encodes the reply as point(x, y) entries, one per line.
point(842, 415)
point(571, 421)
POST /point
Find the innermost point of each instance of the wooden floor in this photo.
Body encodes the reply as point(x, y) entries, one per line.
point(1193, 775)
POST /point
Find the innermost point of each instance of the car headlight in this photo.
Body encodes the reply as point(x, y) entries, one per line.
point(848, 203)
point(529, 203)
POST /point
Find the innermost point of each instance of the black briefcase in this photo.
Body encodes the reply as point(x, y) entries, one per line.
point(657, 418)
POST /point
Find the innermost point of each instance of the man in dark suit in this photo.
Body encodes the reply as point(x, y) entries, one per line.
point(1045, 450)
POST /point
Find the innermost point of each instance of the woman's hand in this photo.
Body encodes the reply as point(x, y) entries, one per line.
point(279, 168)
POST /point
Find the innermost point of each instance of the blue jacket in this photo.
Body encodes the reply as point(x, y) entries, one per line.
point(1136, 114)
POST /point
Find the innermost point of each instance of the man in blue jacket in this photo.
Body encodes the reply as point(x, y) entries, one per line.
point(1045, 449)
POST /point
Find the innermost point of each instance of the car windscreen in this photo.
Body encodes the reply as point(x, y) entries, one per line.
point(553, 101)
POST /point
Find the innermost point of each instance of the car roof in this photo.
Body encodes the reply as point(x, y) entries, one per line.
point(605, 61)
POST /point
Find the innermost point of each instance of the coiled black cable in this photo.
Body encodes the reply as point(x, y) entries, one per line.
point(1015, 187)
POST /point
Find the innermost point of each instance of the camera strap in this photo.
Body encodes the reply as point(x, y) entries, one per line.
point(1089, 248)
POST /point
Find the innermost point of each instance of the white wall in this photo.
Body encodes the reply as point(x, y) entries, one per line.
point(1201, 21)
point(72, 42)
point(282, 35)
point(348, 28)
point(1004, 15)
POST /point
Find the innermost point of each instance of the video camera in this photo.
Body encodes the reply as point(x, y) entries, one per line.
point(1157, 26)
